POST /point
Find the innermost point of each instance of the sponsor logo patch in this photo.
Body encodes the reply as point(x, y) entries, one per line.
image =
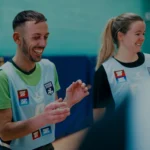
point(120, 76)
point(46, 130)
point(23, 97)
point(36, 135)
point(49, 88)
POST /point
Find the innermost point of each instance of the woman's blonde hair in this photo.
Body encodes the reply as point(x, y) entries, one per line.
point(122, 24)
point(107, 47)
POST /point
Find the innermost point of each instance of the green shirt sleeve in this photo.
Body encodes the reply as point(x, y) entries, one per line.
point(57, 86)
point(5, 101)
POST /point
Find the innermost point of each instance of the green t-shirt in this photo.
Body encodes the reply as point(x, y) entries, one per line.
point(31, 79)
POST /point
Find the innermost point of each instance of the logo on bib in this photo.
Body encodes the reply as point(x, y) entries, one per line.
point(36, 135)
point(49, 88)
point(46, 130)
point(120, 76)
point(23, 97)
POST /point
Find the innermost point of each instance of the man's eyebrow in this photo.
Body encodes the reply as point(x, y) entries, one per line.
point(40, 34)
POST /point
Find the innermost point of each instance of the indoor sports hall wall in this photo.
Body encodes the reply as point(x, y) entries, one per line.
point(75, 25)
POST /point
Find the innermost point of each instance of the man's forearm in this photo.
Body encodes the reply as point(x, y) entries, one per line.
point(14, 130)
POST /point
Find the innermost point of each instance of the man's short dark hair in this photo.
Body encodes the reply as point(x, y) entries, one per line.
point(27, 15)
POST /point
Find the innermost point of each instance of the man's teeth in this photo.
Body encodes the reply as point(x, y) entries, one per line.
point(38, 51)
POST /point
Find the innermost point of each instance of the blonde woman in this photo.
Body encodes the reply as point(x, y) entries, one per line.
point(120, 64)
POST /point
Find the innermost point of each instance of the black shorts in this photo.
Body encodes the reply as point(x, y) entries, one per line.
point(45, 147)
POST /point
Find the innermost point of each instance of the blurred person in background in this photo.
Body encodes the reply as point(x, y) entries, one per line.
point(1, 61)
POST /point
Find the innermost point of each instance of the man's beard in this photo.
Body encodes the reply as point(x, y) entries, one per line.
point(26, 53)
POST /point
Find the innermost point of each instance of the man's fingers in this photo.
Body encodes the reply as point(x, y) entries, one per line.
point(79, 81)
point(89, 86)
point(60, 111)
point(56, 119)
point(78, 84)
point(59, 100)
point(87, 93)
point(56, 112)
point(58, 116)
point(83, 85)
point(72, 86)
point(56, 105)
point(59, 119)
point(86, 89)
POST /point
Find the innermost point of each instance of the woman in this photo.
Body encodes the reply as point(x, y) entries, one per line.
point(120, 65)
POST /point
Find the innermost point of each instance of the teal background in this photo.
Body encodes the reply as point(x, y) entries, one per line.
point(75, 25)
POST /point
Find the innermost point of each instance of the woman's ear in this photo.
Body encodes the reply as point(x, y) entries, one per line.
point(120, 36)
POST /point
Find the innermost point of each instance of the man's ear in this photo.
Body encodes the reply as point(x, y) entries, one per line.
point(16, 37)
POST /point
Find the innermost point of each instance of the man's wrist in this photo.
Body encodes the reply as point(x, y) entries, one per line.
point(68, 102)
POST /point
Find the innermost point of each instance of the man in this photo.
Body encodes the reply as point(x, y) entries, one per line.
point(28, 86)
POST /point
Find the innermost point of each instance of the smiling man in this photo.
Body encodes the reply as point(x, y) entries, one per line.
point(29, 106)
